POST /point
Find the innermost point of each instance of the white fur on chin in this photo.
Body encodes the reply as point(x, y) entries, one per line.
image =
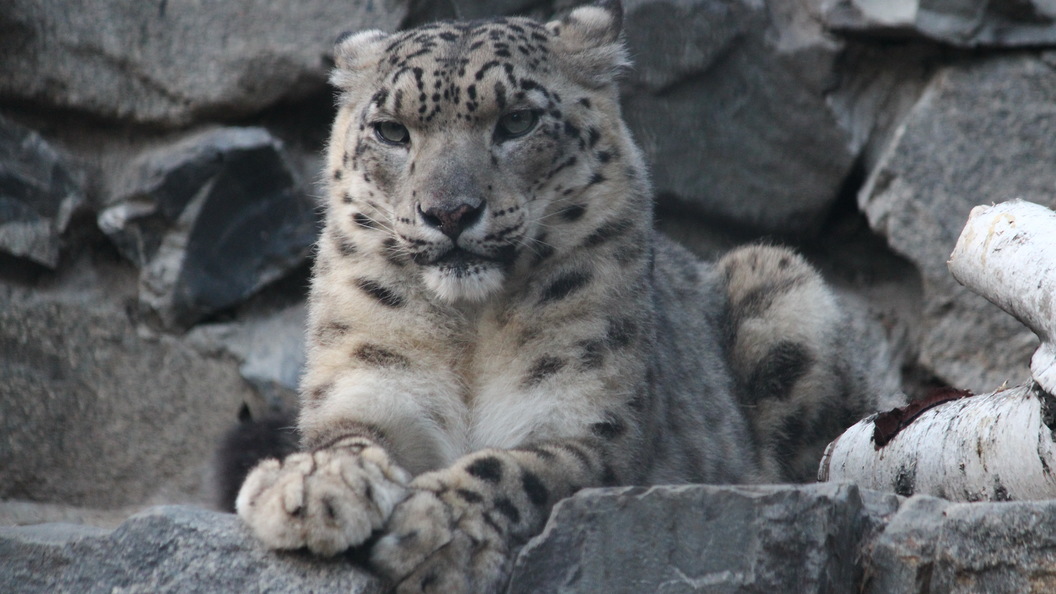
point(453, 285)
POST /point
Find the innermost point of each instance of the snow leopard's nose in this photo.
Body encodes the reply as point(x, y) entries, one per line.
point(451, 221)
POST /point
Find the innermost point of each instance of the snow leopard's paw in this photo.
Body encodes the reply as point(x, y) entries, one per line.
point(448, 536)
point(328, 500)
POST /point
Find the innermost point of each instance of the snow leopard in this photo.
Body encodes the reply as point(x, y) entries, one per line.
point(494, 324)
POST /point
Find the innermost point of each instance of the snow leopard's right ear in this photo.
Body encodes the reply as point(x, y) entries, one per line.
point(593, 46)
point(354, 53)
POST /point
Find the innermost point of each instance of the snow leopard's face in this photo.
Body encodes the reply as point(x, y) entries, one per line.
point(466, 144)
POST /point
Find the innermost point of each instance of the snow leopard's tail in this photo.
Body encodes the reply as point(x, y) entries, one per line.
point(791, 349)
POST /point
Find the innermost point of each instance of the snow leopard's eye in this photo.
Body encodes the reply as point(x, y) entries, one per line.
point(392, 132)
point(516, 123)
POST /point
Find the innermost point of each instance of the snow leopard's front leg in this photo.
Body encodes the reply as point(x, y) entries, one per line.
point(460, 527)
point(367, 430)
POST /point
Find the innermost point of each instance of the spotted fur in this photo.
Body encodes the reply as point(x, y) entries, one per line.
point(495, 325)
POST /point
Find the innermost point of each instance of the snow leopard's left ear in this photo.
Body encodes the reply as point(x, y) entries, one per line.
point(354, 53)
point(591, 42)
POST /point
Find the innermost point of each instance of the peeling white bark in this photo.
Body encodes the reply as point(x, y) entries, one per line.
point(1007, 253)
point(991, 447)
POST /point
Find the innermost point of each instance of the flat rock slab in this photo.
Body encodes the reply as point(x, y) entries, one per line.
point(933, 545)
point(164, 549)
point(701, 538)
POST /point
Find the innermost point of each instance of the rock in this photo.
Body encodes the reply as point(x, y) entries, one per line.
point(878, 87)
point(270, 347)
point(932, 545)
point(693, 538)
point(210, 220)
point(39, 192)
point(172, 62)
point(97, 414)
point(165, 549)
point(426, 12)
point(721, 98)
point(962, 23)
point(702, 538)
point(981, 133)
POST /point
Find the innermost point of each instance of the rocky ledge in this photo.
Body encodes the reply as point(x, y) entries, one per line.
point(812, 538)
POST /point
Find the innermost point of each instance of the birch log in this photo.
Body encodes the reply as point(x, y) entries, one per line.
point(1007, 253)
point(997, 446)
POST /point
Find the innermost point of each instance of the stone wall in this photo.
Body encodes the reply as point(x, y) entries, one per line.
point(158, 201)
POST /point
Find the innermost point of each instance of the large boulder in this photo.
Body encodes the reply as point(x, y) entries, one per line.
point(722, 95)
point(982, 132)
point(174, 61)
point(97, 412)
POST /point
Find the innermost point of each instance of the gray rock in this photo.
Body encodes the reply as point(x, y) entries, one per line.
point(702, 538)
point(165, 549)
point(39, 192)
point(878, 87)
point(172, 62)
point(425, 12)
point(963, 23)
point(270, 347)
point(210, 220)
point(981, 133)
point(98, 414)
point(932, 545)
point(721, 98)
point(825, 538)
